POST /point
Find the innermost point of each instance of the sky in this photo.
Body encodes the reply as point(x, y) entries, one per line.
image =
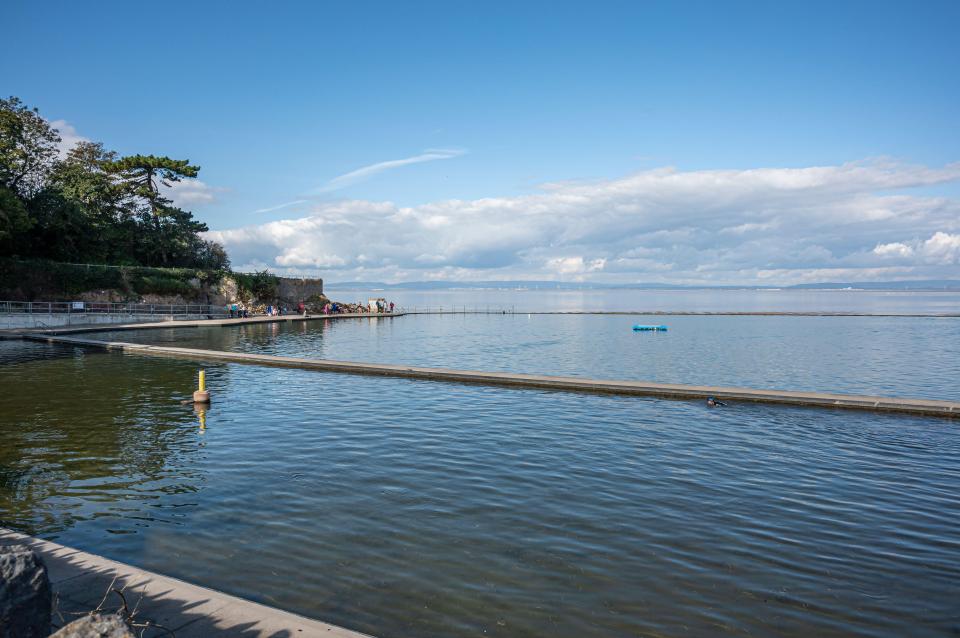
point(764, 143)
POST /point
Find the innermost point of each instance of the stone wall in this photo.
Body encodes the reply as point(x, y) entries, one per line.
point(293, 290)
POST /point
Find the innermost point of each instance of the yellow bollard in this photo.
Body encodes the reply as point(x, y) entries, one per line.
point(201, 395)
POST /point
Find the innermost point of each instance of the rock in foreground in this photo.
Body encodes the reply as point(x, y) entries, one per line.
point(96, 626)
point(24, 594)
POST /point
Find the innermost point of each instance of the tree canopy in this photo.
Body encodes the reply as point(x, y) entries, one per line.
point(90, 205)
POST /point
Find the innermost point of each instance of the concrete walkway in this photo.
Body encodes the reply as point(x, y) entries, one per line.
point(926, 407)
point(80, 581)
point(189, 323)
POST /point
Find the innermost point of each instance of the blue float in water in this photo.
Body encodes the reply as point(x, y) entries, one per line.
point(639, 328)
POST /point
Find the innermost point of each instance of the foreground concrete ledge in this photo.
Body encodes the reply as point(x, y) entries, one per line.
point(81, 580)
point(926, 407)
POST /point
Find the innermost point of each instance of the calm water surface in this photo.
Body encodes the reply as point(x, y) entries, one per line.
point(628, 300)
point(405, 508)
point(897, 356)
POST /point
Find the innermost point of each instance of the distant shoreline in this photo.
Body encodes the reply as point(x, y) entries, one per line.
point(554, 286)
point(686, 313)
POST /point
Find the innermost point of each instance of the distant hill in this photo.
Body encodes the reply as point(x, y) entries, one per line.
point(929, 285)
point(485, 285)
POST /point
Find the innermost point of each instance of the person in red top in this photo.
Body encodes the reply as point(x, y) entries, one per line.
point(301, 308)
point(391, 306)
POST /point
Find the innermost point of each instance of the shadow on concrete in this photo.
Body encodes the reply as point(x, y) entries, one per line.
point(157, 605)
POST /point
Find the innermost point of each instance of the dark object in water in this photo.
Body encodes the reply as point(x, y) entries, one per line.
point(714, 402)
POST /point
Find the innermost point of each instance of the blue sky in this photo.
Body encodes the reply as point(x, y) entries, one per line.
point(492, 100)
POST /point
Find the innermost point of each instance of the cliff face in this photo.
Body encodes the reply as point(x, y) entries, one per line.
point(287, 291)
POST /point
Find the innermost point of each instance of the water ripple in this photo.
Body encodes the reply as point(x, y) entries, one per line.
point(406, 508)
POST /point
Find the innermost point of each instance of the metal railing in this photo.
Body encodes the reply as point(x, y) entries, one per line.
point(458, 310)
point(107, 308)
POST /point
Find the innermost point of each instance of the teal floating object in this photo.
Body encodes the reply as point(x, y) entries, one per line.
point(640, 328)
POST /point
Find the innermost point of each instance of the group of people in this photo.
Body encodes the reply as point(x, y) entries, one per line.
point(239, 310)
point(377, 306)
point(381, 306)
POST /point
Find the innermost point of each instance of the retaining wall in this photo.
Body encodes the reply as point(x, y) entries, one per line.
point(58, 320)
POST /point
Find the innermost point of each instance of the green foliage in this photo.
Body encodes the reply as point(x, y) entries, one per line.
point(211, 256)
point(92, 206)
point(14, 220)
point(146, 284)
point(260, 285)
point(29, 279)
point(146, 170)
point(28, 148)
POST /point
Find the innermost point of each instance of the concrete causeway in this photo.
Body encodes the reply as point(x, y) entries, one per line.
point(926, 407)
point(80, 581)
point(195, 323)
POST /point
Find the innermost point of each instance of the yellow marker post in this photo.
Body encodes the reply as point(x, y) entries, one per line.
point(201, 395)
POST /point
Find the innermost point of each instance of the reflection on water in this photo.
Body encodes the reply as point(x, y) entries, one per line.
point(406, 508)
point(76, 431)
point(201, 411)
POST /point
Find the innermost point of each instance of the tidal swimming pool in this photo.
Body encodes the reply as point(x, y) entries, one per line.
point(894, 356)
point(408, 508)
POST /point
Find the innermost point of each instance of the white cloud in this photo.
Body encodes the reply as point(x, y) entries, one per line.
point(941, 249)
point(775, 225)
point(68, 136)
point(893, 249)
point(348, 179)
point(191, 192)
point(575, 265)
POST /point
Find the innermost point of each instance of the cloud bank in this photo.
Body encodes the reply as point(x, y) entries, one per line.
point(761, 226)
